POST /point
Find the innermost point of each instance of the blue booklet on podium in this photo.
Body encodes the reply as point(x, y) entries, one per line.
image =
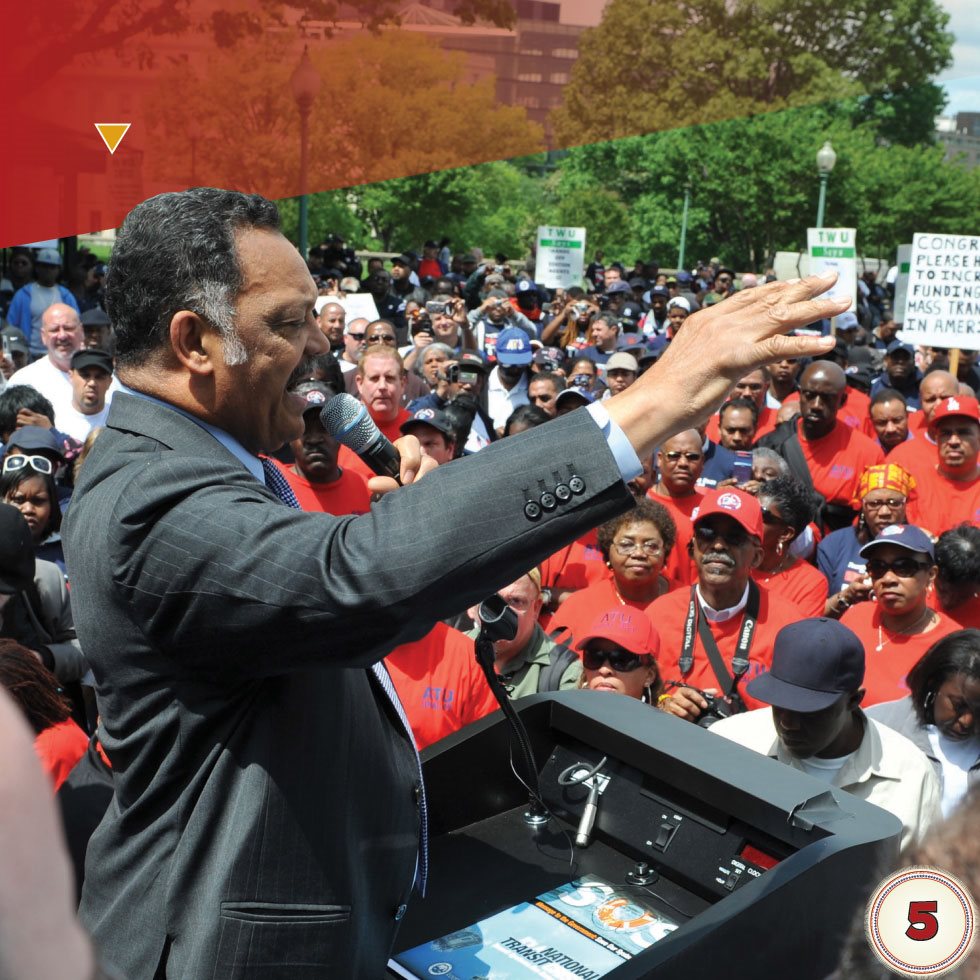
point(579, 931)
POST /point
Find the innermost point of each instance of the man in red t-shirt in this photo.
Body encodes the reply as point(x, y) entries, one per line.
point(949, 491)
point(439, 683)
point(726, 546)
point(835, 454)
point(754, 387)
point(380, 383)
point(316, 479)
point(919, 452)
point(679, 461)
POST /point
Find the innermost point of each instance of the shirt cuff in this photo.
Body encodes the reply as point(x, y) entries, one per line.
point(622, 449)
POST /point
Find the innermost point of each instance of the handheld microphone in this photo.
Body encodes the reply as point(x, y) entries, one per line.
point(347, 420)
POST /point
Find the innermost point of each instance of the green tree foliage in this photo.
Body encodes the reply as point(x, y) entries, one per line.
point(652, 65)
point(754, 186)
point(493, 206)
point(388, 105)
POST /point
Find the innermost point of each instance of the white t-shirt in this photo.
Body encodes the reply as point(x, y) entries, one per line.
point(78, 426)
point(53, 383)
point(956, 756)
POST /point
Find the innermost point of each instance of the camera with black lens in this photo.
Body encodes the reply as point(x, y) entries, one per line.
point(451, 374)
point(717, 709)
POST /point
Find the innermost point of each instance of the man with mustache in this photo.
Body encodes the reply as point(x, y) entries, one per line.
point(725, 618)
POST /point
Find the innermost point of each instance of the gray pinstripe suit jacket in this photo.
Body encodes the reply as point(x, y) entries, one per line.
point(264, 823)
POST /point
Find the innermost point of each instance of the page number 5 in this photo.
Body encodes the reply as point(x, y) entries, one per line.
point(923, 924)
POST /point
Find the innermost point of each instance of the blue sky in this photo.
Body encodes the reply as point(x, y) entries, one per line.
point(962, 80)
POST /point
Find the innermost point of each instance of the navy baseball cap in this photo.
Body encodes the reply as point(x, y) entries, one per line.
point(659, 291)
point(618, 287)
point(814, 663)
point(906, 536)
point(897, 345)
point(316, 393)
point(34, 437)
point(430, 416)
point(526, 286)
point(514, 347)
point(684, 278)
point(586, 397)
point(473, 360)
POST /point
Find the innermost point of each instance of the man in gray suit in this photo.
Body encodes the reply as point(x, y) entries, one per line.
point(268, 808)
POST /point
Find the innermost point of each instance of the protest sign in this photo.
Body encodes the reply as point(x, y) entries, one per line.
point(903, 261)
point(560, 256)
point(942, 308)
point(834, 250)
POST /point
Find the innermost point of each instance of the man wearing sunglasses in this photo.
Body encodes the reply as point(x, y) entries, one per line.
point(720, 632)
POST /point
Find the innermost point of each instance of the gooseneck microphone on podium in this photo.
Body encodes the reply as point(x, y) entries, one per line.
point(347, 420)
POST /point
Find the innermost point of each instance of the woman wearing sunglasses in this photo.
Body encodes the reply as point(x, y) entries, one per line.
point(27, 482)
point(883, 492)
point(787, 509)
point(898, 627)
point(619, 655)
point(941, 714)
point(635, 547)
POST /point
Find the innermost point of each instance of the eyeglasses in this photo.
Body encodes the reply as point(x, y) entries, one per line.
point(771, 518)
point(356, 336)
point(902, 567)
point(707, 536)
point(381, 338)
point(892, 503)
point(622, 661)
point(40, 464)
point(627, 547)
point(673, 456)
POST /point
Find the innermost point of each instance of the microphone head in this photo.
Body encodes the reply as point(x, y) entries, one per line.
point(347, 420)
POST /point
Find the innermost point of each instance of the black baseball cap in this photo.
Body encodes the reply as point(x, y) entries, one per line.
point(814, 663)
point(91, 357)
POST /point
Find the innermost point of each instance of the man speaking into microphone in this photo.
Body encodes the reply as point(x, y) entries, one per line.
point(268, 818)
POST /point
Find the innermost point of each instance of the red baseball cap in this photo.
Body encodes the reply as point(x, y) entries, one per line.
point(736, 504)
point(629, 628)
point(958, 405)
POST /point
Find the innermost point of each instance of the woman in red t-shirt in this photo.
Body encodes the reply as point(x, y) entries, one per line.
point(787, 508)
point(635, 546)
point(58, 741)
point(898, 627)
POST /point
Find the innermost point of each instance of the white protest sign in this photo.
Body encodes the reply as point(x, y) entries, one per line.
point(903, 261)
point(358, 305)
point(943, 304)
point(560, 258)
point(834, 250)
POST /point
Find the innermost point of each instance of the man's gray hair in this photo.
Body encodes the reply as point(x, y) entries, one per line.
point(177, 252)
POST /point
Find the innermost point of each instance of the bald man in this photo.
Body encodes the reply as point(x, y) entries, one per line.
point(331, 320)
point(62, 335)
point(822, 451)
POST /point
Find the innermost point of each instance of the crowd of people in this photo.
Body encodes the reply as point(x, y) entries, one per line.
point(800, 574)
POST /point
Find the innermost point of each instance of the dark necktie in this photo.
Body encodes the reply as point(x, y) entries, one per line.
point(279, 485)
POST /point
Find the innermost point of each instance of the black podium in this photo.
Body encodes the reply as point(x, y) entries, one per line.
point(762, 867)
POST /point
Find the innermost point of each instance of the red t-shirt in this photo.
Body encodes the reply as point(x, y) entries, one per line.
point(837, 460)
point(941, 503)
point(669, 614)
point(348, 495)
point(679, 569)
point(578, 612)
point(916, 456)
point(885, 669)
point(59, 748)
point(439, 683)
point(767, 422)
point(575, 566)
point(966, 615)
point(348, 460)
point(801, 585)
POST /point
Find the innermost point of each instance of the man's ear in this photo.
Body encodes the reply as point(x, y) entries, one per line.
point(855, 698)
point(194, 342)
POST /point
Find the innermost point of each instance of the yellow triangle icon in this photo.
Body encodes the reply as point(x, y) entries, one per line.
point(112, 134)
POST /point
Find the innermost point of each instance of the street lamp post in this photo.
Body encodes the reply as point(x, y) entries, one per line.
point(305, 83)
point(826, 158)
point(687, 204)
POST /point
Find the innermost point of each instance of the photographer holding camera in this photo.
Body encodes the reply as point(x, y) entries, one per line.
point(569, 328)
point(724, 626)
point(442, 320)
